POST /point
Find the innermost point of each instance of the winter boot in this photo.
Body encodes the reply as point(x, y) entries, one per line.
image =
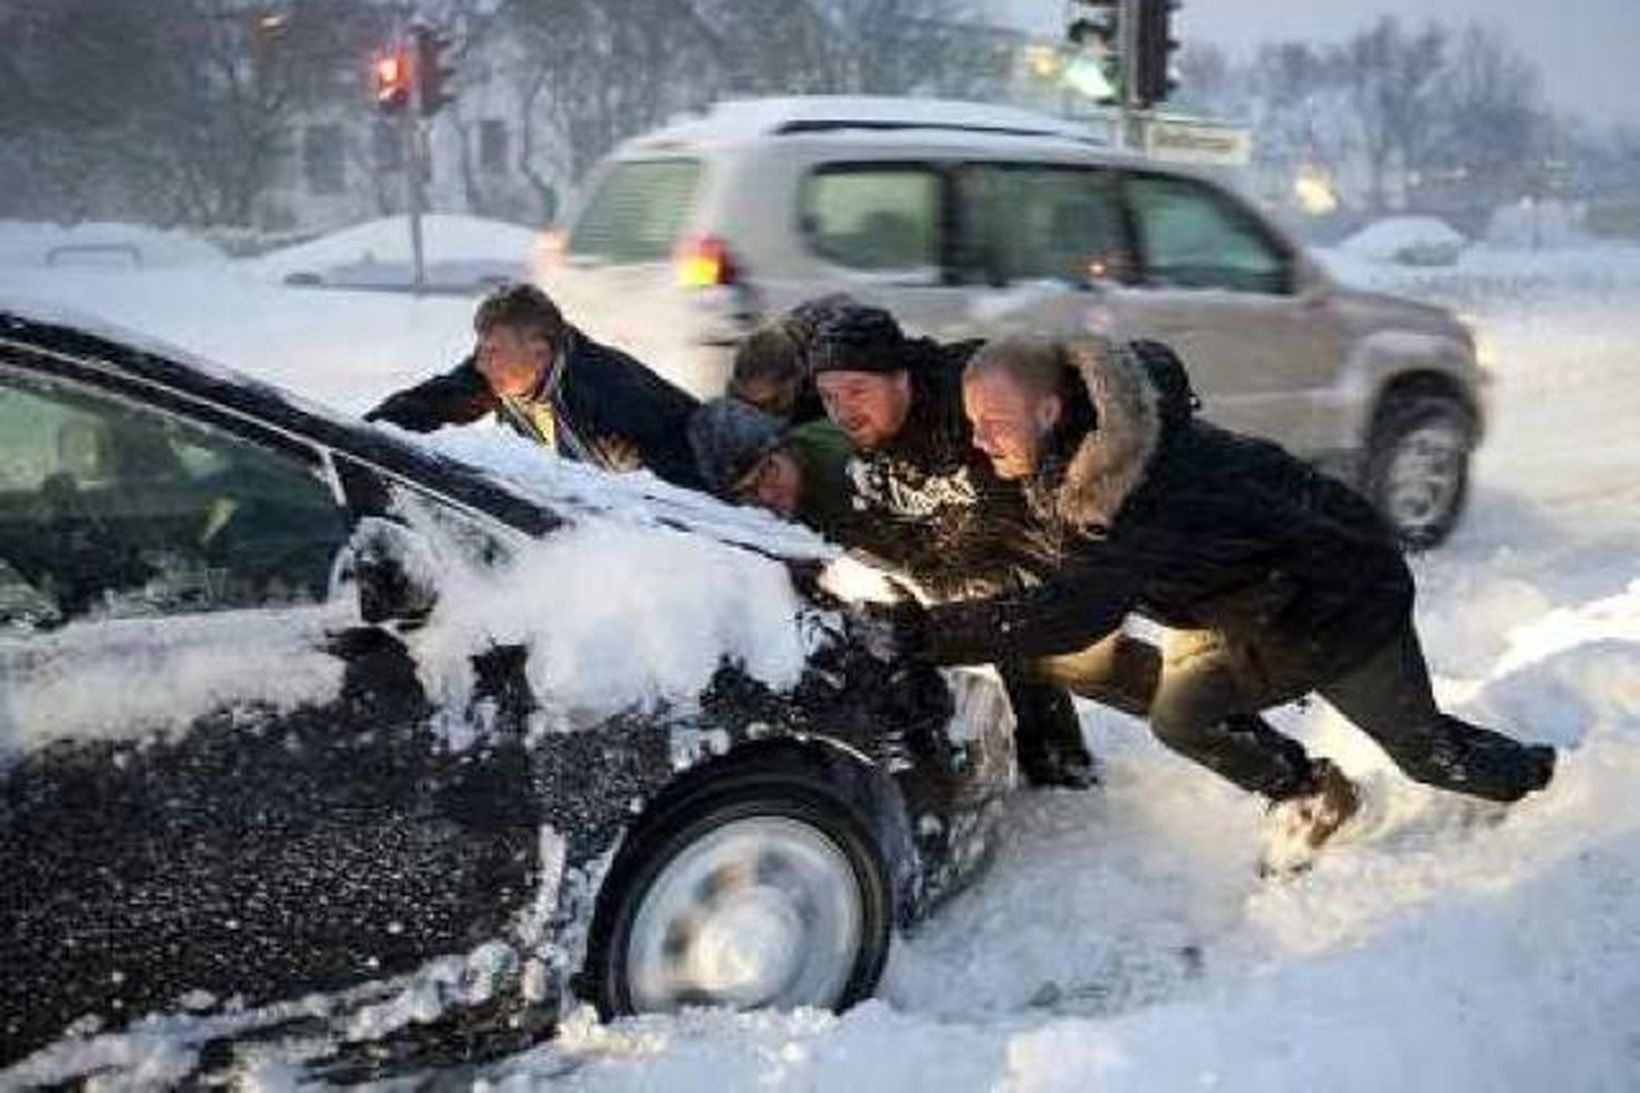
point(1298, 826)
point(1048, 735)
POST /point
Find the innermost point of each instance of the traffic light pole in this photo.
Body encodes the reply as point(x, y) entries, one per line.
point(1130, 120)
point(415, 193)
point(408, 83)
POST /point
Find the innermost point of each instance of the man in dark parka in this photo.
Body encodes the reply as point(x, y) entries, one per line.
point(553, 384)
point(1278, 580)
point(927, 501)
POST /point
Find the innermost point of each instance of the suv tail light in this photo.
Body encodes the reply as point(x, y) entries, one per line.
point(549, 257)
point(704, 262)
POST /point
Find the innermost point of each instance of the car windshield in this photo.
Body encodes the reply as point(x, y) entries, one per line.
point(637, 211)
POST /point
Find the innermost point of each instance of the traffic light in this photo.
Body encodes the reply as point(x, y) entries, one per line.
point(432, 72)
point(1094, 68)
point(390, 74)
point(1153, 76)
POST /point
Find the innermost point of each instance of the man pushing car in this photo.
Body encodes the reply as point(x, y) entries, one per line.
point(553, 384)
point(1277, 580)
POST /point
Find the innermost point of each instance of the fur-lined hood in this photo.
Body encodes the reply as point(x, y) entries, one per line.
point(1110, 462)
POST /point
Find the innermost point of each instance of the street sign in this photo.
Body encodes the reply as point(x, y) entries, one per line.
point(1191, 140)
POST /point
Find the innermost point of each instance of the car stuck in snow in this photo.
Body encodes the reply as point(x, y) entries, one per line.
point(311, 734)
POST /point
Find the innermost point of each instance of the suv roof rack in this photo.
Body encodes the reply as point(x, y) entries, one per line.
point(826, 125)
point(800, 114)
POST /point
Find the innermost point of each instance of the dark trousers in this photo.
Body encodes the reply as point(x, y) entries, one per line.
point(1205, 709)
point(1388, 696)
point(1047, 732)
point(1116, 672)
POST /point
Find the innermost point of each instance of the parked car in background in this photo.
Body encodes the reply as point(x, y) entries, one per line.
point(972, 220)
point(234, 815)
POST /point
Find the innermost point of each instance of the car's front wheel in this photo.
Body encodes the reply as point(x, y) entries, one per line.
point(762, 893)
point(1417, 470)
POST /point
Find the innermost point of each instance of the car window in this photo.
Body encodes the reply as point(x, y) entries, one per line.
point(113, 509)
point(874, 217)
point(1190, 236)
point(638, 211)
point(1023, 222)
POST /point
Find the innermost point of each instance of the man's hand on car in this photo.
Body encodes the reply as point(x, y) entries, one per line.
point(899, 628)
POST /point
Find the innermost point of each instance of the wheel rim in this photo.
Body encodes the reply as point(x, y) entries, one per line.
point(1424, 476)
point(764, 911)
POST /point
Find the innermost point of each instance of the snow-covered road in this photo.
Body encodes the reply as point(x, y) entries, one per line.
point(1120, 939)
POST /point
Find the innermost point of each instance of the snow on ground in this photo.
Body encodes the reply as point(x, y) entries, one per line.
point(348, 349)
point(1120, 939)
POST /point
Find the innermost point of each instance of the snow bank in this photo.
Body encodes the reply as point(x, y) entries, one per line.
point(458, 251)
point(1410, 240)
point(101, 245)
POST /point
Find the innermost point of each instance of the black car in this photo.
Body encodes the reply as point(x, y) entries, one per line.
point(232, 814)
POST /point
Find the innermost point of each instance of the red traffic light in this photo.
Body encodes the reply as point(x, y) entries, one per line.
point(391, 75)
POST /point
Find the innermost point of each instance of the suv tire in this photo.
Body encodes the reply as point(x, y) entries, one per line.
point(1417, 470)
point(763, 889)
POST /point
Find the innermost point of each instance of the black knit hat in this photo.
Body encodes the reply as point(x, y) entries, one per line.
point(809, 316)
point(859, 338)
point(728, 438)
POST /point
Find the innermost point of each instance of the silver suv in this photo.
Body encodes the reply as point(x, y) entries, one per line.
point(970, 220)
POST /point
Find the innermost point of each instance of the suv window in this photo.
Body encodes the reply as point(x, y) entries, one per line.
point(1022, 222)
point(874, 217)
point(1191, 236)
point(638, 211)
point(111, 509)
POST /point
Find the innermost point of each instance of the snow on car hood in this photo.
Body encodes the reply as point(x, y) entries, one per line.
point(616, 614)
point(637, 498)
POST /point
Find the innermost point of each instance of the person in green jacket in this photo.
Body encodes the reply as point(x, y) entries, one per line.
point(751, 457)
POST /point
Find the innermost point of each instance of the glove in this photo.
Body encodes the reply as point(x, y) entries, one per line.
point(891, 630)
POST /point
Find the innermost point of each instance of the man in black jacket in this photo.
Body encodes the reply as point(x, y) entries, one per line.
point(928, 502)
point(1279, 580)
point(554, 385)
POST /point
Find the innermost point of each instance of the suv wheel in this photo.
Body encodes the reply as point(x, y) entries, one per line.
point(1418, 466)
point(764, 892)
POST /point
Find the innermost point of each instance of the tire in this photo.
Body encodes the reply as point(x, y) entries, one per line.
point(1417, 471)
point(764, 890)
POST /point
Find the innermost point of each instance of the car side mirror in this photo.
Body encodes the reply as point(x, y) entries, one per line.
point(394, 570)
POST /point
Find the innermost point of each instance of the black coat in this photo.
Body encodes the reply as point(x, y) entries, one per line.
point(603, 394)
point(928, 501)
point(1152, 510)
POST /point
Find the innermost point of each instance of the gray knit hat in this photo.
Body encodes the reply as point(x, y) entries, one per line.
point(728, 438)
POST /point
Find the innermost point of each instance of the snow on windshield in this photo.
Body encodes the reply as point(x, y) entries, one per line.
point(129, 678)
